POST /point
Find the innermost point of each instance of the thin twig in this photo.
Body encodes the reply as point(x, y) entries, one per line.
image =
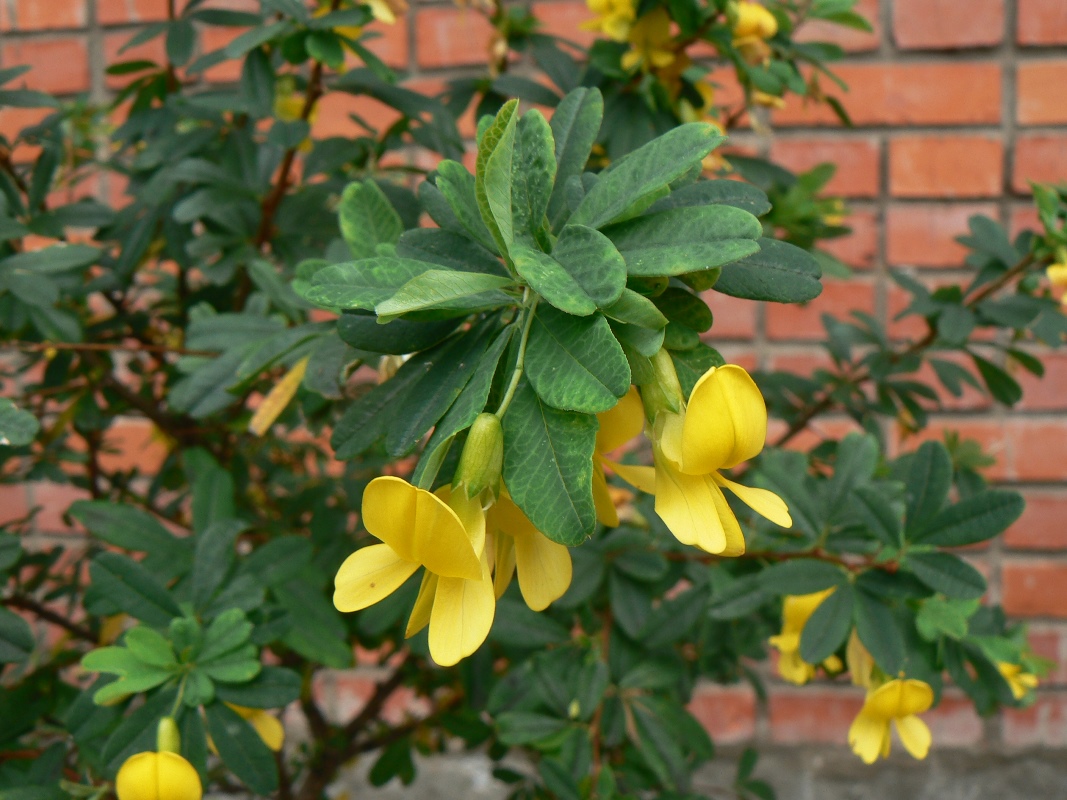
point(27, 603)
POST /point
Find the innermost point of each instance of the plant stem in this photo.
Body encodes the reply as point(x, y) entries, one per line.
point(27, 603)
point(530, 307)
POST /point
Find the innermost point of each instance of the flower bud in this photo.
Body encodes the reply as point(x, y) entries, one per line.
point(168, 739)
point(664, 393)
point(158, 776)
point(482, 458)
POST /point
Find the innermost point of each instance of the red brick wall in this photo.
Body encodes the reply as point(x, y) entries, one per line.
point(958, 104)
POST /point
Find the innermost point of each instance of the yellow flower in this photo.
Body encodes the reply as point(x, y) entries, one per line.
point(767, 100)
point(613, 18)
point(157, 776)
point(1057, 275)
point(690, 113)
point(860, 662)
point(1020, 682)
point(618, 425)
point(544, 567)
point(386, 10)
point(723, 424)
point(268, 726)
point(796, 611)
point(753, 26)
point(898, 701)
point(445, 533)
point(650, 38)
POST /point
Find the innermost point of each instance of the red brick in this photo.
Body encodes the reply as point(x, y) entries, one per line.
point(116, 12)
point(1050, 641)
point(133, 444)
point(54, 499)
point(789, 321)
point(728, 713)
point(1041, 158)
point(1042, 22)
point(1040, 92)
point(451, 37)
point(1023, 218)
point(391, 46)
point(801, 362)
point(856, 160)
point(850, 39)
point(334, 112)
point(1040, 450)
point(945, 166)
point(34, 15)
point(60, 64)
point(813, 714)
point(924, 235)
point(947, 24)
point(1033, 588)
point(13, 503)
point(858, 249)
point(1041, 527)
point(954, 722)
point(734, 318)
point(1047, 393)
point(1044, 724)
point(819, 430)
point(907, 94)
point(13, 120)
point(564, 19)
point(214, 38)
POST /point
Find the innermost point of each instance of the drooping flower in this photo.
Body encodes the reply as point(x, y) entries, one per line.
point(754, 25)
point(618, 425)
point(544, 567)
point(723, 424)
point(898, 702)
point(1019, 681)
point(157, 776)
point(445, 534)
point(613, 18)
point(796, 611)
point(650, 39)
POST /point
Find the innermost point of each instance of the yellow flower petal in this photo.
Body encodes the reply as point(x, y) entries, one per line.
point(860, 662)
point(754, 20)
point(278, 398)
point(620, 424)
point(462, 615)
point(914, 735)
point(470, 513)
point(1057, 274)
point(725, 421)
point(764, 502)
point(798, 608)
point(420, 613)
point(643, 478)
point(419, 527)
point(368, 575)
point(504, 569)
point(899, 698)
point(868, 736)
point(690, 509)
point(795, 669)
point(544, 569)
point(157, 776)
point(268, 726)
point(606, 512)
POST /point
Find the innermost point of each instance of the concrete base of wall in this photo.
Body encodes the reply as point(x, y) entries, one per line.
point(796, 774)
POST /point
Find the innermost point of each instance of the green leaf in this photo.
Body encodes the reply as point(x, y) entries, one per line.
point(801, 576)
point(519, 728)
point(150, 647)
point(214, 558)
point(16, 638)
point(575, 124)
point(257, 83)
point(367, 219)
point(532, 175)
point(229, 631)
point(135, 676)
point(1004, 388)
point(638, 178)
point(213, 491)
point(181, 40)
point(273, 687)
point(132, 588)
point(927, 484)
point(206, 390)
point(976, 519)
point(692, 364)
point(882, 519)
point(459, 188)
point(716, 192)
point(635, 309)
point(445, 289)
point(10, 550)
point(939, 616)
point(878, 629)
point(17, 427)
point(575, 363)
point(594, 263)
point(401, 336)
point(326, 47)
point(492, 176)
point(948, 574)
point(241, 749)
point(279, 560)
point(52, 260)
point(548, 466)
point(780, 273)
point(682, 240)
point(361, 284)
point(552, 281)
point(955, 324)
point(448, 249)
point(827, 628)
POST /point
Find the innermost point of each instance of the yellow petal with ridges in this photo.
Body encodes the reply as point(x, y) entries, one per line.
point(763, 501)
point(687, 505)
point(544, 569)
point(504, 556)
point(868, 736)
point(368, 575)
point(900, 698)
point(725, 421)
point(620, 424)
point(419, 527)
point(735, 539)
point(462, 616)
point(420, 613)
point(470, 513)
point(914, 735)
point(640, 477)
point(157, 776)
point(606, 513)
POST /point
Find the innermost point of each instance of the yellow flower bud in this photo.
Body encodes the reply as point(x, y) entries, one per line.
point(483, 457)
point(168, 739)
point(158, 776)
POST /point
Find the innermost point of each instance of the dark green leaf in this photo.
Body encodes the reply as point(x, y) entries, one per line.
point(367, 219)
point(16, 638)
point(575, 124)
point(881, 634)
point(948, 574)
point(801, 576)
point(827, 628)
point(132, 588)
point(973, 520)
point(241, 749)
point(780, 272)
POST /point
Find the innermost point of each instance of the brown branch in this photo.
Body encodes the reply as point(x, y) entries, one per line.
point(827, 401)
point(105, 347)
point(27, 603)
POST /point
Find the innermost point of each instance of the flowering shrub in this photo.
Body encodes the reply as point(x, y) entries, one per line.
point(403, 411)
